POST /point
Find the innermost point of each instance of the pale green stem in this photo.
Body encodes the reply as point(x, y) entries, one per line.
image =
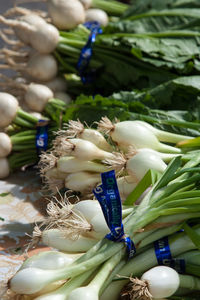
point(160, 226)
point(189, 282)
point(191, 257)
point(167, 157)
point(104, 272)
point(70, 285)
point(126, 211)
point(168, 149)
point(170, 137)
point(156, 235)
point(178, 243)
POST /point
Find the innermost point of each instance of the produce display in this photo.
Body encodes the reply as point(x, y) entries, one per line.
point(102, 99)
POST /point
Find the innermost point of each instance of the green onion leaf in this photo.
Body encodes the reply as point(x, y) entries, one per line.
point(169, 173)
point(149, 178)
point(195, 237)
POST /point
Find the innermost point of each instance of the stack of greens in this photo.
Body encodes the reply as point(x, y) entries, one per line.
point(27, 136)
point(134, 105)
point(150, 45)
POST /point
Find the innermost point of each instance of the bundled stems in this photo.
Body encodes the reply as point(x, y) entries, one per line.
point(142, 216)
point(179, 243)
point(23, 140)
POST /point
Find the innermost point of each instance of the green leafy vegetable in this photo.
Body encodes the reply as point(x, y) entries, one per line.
point(140, 106)
point(4, 194)
point(150, 46)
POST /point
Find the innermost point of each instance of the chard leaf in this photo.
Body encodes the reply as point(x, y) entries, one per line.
point(140, 7)
point(173, 94)
point(136, 105)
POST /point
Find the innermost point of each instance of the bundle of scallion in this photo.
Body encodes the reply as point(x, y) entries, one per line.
point(31, 28)
point(20, 143)
point(172, 204)
point(80, 154)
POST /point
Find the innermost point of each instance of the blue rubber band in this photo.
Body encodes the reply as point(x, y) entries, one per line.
point(164, 257)
point(87, 51)
point(41, 140)
point(109, 199)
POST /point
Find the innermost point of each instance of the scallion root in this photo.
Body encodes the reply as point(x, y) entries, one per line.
point(77, 129)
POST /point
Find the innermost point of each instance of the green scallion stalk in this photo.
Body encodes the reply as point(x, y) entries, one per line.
point(112, 7)
point(142, 215)
point(178, 243)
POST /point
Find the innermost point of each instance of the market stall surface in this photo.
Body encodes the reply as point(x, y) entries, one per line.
point(21, 205)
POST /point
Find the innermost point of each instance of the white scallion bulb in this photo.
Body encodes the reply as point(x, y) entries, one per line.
point(99, 226)
point(89, 208)
point(162, 281)
point(30, 280)
point(49, 260)
point(143, 161)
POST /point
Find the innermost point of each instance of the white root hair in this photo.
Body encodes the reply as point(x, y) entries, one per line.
point(118, 162)
point(13, 65)
point(62, 146)
point(74, 128)
point(6, 39)
point(11, 83)
point(35, 238)
point(14, 53)
point(8, 31)
point(13, 23)
point(15, 58)
point(131, 152)
point(17, 10)
point(137, 289)
point(62, 216)
point(71, 130)
point(105, 125)
point(27, 1)
point(47, 162)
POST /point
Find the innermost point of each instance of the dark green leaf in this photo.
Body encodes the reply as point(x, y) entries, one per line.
point(168, 174)
point(4, 194)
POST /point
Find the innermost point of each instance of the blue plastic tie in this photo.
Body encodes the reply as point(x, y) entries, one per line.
point(41, 140)
point(164, 257)
point(87, 51)
point(109, 199)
